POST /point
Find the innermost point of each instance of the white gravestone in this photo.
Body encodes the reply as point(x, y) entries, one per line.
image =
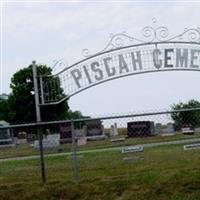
point(169, 129)
point(51, 142)
point(82, 141)
point(113, 130)
point(22, 138)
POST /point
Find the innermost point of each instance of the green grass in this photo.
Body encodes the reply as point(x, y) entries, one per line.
point(164, 173)
point(27, 150)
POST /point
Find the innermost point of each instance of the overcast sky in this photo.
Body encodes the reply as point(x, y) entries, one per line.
point(49, 31)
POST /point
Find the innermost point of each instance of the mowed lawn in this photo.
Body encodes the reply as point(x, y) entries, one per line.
point(26, 150)
point(159, 173)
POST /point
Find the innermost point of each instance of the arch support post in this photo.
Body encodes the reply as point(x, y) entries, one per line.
point(38, 119)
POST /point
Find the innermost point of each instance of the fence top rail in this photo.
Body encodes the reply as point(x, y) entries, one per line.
point(97, 118)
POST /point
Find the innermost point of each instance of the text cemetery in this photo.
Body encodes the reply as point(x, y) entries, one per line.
point(135, 62)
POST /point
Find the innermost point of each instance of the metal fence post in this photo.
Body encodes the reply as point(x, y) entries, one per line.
point(42, 163)
point(38, 119)
point(12, 135)
point(74, 154)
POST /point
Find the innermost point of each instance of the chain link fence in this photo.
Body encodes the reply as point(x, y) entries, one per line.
point(124, 146)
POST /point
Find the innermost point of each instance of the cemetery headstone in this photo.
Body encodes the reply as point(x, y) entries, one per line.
point(113, 130)
point(133, 149)
point(168, 130)
point(22, 138)
point(5, 137)
point(82, 141)
point(191, 146)
point(51, 142)
point(158, 128)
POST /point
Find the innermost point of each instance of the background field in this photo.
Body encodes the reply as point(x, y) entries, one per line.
point(26, 150)
point(165, 172)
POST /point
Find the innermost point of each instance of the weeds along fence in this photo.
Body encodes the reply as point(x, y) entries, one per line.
point(121, 146)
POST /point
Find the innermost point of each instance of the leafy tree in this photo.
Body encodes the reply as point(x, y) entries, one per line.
point(185, 118)
point(75, 115)
point(21, 101)
point(4, 110)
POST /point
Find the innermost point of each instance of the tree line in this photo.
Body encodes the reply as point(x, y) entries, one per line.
point(188, 117)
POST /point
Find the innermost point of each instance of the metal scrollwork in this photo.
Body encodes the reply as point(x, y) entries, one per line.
point(150, 34)
point(117, 41)
point(193, 35)
point(189, 35)
point(59, 65)
point(163, 33)
point(85, 52)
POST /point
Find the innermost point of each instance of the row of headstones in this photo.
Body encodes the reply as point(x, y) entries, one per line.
point(167, 129)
